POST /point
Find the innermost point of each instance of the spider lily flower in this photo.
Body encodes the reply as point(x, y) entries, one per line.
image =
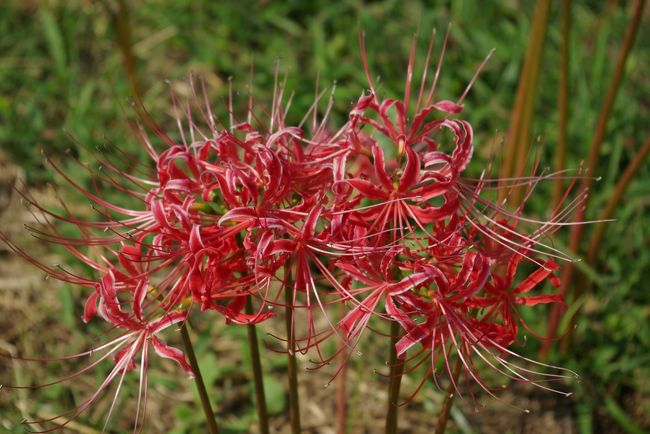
point(375, 216)
point(140, 332)
point(452, 316)
point(172, 239)
point(422, 222)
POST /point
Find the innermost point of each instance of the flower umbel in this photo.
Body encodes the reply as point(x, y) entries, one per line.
point(375, 217)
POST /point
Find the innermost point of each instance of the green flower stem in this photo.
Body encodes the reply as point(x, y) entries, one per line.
point(294, 406)
point(449, 400)
point(198, 380)
point(395, 380)
point(258, 375)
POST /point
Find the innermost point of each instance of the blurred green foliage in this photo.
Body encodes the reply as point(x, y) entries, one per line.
point(61, 74)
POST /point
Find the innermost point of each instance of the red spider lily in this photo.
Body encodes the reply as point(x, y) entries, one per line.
point(375, 216)
point(443, 234)
point(502, 296)
point(450, 316)
point(140, 331)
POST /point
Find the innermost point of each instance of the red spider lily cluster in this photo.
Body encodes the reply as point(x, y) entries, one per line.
point(375, 216)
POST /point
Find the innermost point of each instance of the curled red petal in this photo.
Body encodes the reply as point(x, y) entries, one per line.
point(432, 214)
point(139, 294)
point(367, 189)
point(413, 336)
point(380, 168)
point(536, 277)
point(411, 171)
point(448, 106)
point(409, 282)
point(540, 299)
point(165, 321)
point(168, 352)
point(90, 308)
point(309, 228)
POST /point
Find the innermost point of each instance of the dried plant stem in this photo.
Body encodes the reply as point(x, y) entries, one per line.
point(563, 101)
point(522, 140)
point(449, 399)
point(608, 212)
point(292, 369)
point(395, 380)
point(341, 401)
point(198, 380)
point(258, 375)
point(123, 29)
point(616, 197)
point(514, 160)
point(341, 389)
point(612, 92)
point(575, 239)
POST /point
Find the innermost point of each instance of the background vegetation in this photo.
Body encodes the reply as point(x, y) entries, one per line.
point(67, 68)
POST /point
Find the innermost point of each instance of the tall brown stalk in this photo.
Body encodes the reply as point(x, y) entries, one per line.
point(122, 25)
point(445, 410)
point(514, 161)
point(198, 380)
point(575, 239)
point(341, 387)
point(563, 101)
point(616, 198)
point(597, 237)
point(292, 368)
point(258, 374)
point(395, 380)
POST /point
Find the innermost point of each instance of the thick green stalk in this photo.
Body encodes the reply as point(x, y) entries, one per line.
point(294, 406)
point(395, 380)
point(258, 375)
point(198, 380)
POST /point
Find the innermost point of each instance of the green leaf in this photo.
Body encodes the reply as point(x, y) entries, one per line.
point(241, 424)
point(275, 395)
point(54, 40)
point(619, 415)
point(67, 312)
point(581, 264)
point(211, 369)
point(187, 418)
point(584, 413)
